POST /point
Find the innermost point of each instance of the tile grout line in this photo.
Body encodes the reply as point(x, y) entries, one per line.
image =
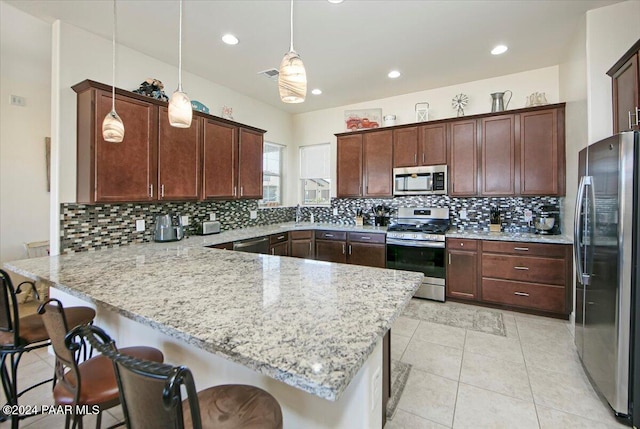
point(455, 403)
point(526, 367)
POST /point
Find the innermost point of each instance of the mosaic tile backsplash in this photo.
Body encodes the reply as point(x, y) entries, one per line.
point(93, 227)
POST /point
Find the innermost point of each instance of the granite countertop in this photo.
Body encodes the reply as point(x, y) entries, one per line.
point(309, 324)
point(511, 236)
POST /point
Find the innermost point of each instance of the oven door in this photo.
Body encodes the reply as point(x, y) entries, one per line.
point(426, 257)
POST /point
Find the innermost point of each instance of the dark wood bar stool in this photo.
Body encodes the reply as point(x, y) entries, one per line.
point(83, 383)
point(151, 394)
point(19, 335)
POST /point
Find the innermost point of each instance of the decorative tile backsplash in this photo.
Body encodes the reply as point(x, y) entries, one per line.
point(92, 227)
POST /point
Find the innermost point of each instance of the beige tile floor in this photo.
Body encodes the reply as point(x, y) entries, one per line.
point(532, 378)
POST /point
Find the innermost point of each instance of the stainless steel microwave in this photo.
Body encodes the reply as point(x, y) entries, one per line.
point(430, 180)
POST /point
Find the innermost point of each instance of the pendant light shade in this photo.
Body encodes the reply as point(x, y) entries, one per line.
point(112, 125)
point(180, 110)
point(292, 77)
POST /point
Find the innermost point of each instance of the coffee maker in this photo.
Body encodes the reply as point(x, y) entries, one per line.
point(168, 228)
point(548, 220)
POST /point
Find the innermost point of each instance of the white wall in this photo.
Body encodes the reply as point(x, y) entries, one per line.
point(610, 33)
point(83, 55)
point(25, 58)
point(320, 126)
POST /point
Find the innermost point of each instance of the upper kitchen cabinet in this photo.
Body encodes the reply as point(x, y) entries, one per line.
point(625, 79)
point(378, 168)
point(220, 160)
point(497, 171)
point(250, 145)
point(365, 164)
point(178, 159)
point(463, 158)
point(424, 145)
point(115, 172)
point(349, 166)
point(214, 158)
point(542, 152)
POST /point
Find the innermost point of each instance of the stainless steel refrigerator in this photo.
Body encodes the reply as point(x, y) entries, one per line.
point(606, 252)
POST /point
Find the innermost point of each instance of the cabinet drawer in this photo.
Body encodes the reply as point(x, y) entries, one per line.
point(301, 235)
point(535, 296)
point(523, 268)
point(462, 244)
point(279, 238)
point(530, 249)
point(365, 237)
point(331, 235)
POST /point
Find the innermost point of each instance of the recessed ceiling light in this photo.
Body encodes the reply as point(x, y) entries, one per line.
point(230, 39)
point(500, 49)
point(335, 1)
point(316, 91)
point(394, 74)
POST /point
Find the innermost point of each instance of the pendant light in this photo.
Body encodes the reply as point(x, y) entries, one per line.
point(180, 110)
point(112, 126)
point(292, 79)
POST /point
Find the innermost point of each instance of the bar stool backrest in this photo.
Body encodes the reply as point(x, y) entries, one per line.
point(8, 307)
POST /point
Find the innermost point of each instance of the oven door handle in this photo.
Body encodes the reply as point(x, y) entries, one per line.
point(416, 243)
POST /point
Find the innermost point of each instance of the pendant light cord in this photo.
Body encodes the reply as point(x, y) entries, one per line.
point(291, 47)
point(180, 51)
point(113, 62)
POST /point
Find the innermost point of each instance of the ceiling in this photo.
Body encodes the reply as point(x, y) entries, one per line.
point(347, 48)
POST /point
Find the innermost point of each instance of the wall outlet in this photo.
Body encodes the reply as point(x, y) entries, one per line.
point(376, 386)
point(253, 214)
point(335, 211)
point(212, 216)
point(17, 100)
point(463, 214)
point(185, 220)
point(140, 225)
point(528, 215)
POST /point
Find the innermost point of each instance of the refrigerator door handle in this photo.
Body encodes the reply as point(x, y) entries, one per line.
point(584, 181)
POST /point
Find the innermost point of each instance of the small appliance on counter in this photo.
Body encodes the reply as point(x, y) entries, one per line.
point(381, 215)
point(168, 228)
point(547, 221)
point(208, 227)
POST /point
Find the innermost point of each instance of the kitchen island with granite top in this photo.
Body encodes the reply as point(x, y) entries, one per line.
point(308, 332)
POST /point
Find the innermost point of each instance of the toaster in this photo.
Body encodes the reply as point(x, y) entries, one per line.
point(208, 227)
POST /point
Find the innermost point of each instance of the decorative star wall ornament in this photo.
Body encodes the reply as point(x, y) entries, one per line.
point(458, 102)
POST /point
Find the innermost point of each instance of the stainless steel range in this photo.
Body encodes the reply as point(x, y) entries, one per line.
point(416, 242)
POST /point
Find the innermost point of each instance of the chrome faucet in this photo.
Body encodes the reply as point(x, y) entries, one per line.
point(298, 213)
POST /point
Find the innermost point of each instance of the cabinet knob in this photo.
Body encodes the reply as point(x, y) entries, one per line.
point(461, 244)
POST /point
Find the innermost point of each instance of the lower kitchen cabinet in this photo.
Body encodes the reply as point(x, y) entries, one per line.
point(279, 244)
point(366, 249)
point(331, 246)
point(462, 269)
point(302, 244)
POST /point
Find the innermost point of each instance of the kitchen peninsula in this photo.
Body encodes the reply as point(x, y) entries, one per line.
point(315, 327)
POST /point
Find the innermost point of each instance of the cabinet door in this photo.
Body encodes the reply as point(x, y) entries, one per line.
point(126, 171)
point(462, 274)
point(378, 165)
point(220, 159)
point(405, 147)
point(178, 159)
point(626, 91)
point(302, 248)
point(331, 251)
point(250, 164)
point(433, 144)
point(541, 153)
point(464, 158)
point(370, 255)
point(280, 249)
point(498, 155)
point(349, 166)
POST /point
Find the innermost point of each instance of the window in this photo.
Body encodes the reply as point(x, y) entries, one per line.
point(315, 174)
point(272, 175)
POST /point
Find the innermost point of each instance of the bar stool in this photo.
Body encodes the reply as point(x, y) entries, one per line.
point(151, 394)
point(86, 383)
point(19, 335)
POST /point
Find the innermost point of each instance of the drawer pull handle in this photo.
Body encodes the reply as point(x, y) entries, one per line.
point(328, 235)
point(365, 238)
point(461, 244)
point(524, 249)
point(522, 268)
point(280, 238)
point(521, 293)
